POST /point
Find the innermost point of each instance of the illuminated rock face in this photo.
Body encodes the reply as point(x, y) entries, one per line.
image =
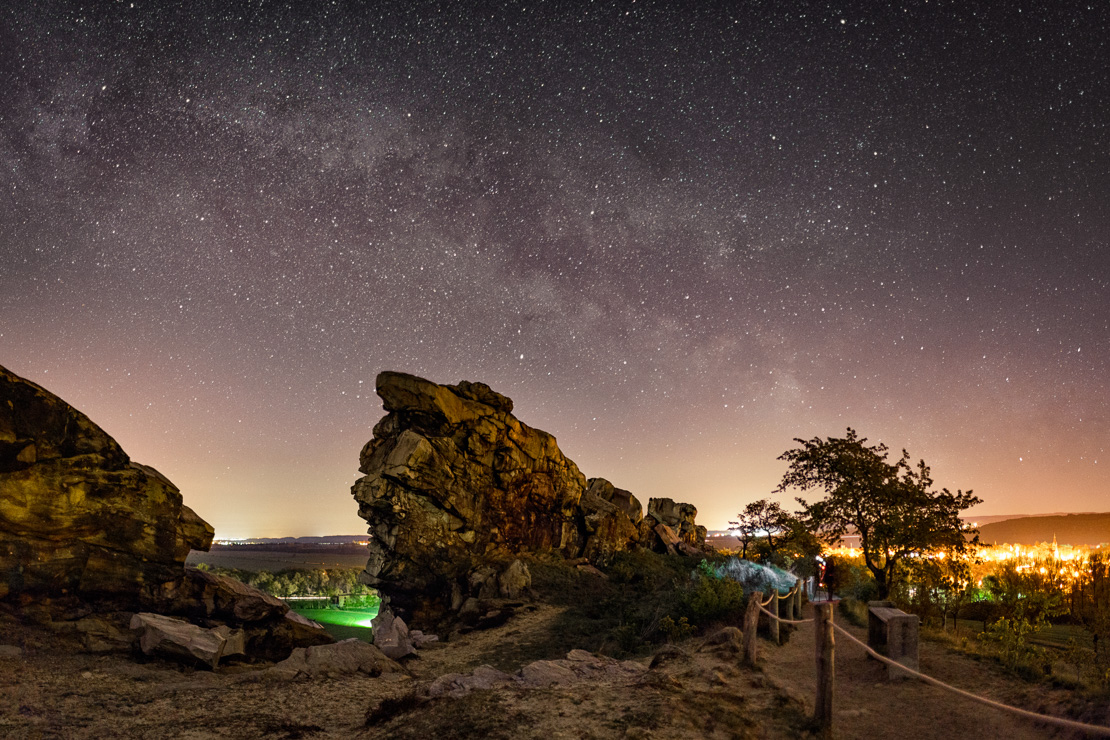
point(77, 517)
point(454, 481)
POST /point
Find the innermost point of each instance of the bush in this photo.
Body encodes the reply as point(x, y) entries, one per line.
point(676, 631)
point(710, 600)
point(1013, 645)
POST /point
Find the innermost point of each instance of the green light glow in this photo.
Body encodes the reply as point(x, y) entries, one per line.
point(339, 616)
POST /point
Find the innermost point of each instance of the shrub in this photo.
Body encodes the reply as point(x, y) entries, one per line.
point(710, 600)
point(1013, 645)
point(676, 631)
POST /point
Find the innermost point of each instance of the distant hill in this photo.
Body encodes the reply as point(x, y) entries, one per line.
point(1069, 529)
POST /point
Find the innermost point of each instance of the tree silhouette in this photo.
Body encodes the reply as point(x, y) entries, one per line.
point(889, 505)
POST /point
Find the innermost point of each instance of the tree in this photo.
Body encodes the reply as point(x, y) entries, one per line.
point(941, 581)
point(891, 506)
point(761, 518)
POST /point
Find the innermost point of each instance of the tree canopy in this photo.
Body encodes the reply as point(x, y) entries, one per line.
point(761, 518)
point(890, 505)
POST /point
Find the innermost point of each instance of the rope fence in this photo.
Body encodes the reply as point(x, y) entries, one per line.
point(783, 619)
point(1099, 730)
point(825, 659)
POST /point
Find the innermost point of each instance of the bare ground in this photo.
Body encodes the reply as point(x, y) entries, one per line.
point(695, 690)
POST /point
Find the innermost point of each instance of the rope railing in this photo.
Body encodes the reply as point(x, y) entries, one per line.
point(788, 595)
point(1099, 730)
point(783, 619)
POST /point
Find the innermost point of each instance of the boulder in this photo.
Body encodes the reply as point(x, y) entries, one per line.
point(456, 685)
point(77, 516)
point(344, 658)
point(179, 639)
point(619, 497)
point(271, 629)
point(667, 536)
point(679, 517)
point(454, 482)
point(391, 635)
point(514, 581)
point(104, 634)
point(607, 529)
point(199, 594)
point(546, 673)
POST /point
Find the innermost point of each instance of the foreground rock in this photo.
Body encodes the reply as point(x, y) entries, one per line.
point(271, 629)
point(177, 638)
point(88, 537)
point(391, 635)
point(456, 487)
point(344, 658)
point(77, 517)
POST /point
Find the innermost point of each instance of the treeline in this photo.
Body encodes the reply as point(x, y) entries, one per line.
point(299, 581)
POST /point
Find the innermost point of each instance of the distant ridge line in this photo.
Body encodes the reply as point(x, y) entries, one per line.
point(1090, 530)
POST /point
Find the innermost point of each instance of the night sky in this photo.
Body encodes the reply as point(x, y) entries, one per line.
point(678, 235)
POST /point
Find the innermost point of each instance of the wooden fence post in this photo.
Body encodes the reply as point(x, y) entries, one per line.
point(823, 706)
point(773, 607)
point(751, 626)
point(798, 599)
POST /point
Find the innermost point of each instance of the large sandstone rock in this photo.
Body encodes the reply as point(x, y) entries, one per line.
point(77, 517)
point(456, 487)
point(454, 481)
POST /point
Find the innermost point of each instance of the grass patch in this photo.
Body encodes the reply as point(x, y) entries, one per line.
point(342, 624)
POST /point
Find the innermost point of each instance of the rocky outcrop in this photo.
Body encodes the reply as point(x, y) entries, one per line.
point(83, 531)
point(77, 517)
point(677, 517)
point(456, 487)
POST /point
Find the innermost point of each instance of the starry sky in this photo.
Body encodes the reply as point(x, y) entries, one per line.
point(678, 235)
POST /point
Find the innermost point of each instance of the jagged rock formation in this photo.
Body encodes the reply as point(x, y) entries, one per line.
point(83, 531)
point(678, 517)
point(76, 515)
point(456, 486)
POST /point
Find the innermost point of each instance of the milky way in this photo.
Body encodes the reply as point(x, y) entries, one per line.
point(678, 237)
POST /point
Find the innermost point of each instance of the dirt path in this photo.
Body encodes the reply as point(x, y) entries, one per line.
point(868, 706)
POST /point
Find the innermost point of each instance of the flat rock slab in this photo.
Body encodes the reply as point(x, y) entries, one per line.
point(178, 639)
point(344, 658)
